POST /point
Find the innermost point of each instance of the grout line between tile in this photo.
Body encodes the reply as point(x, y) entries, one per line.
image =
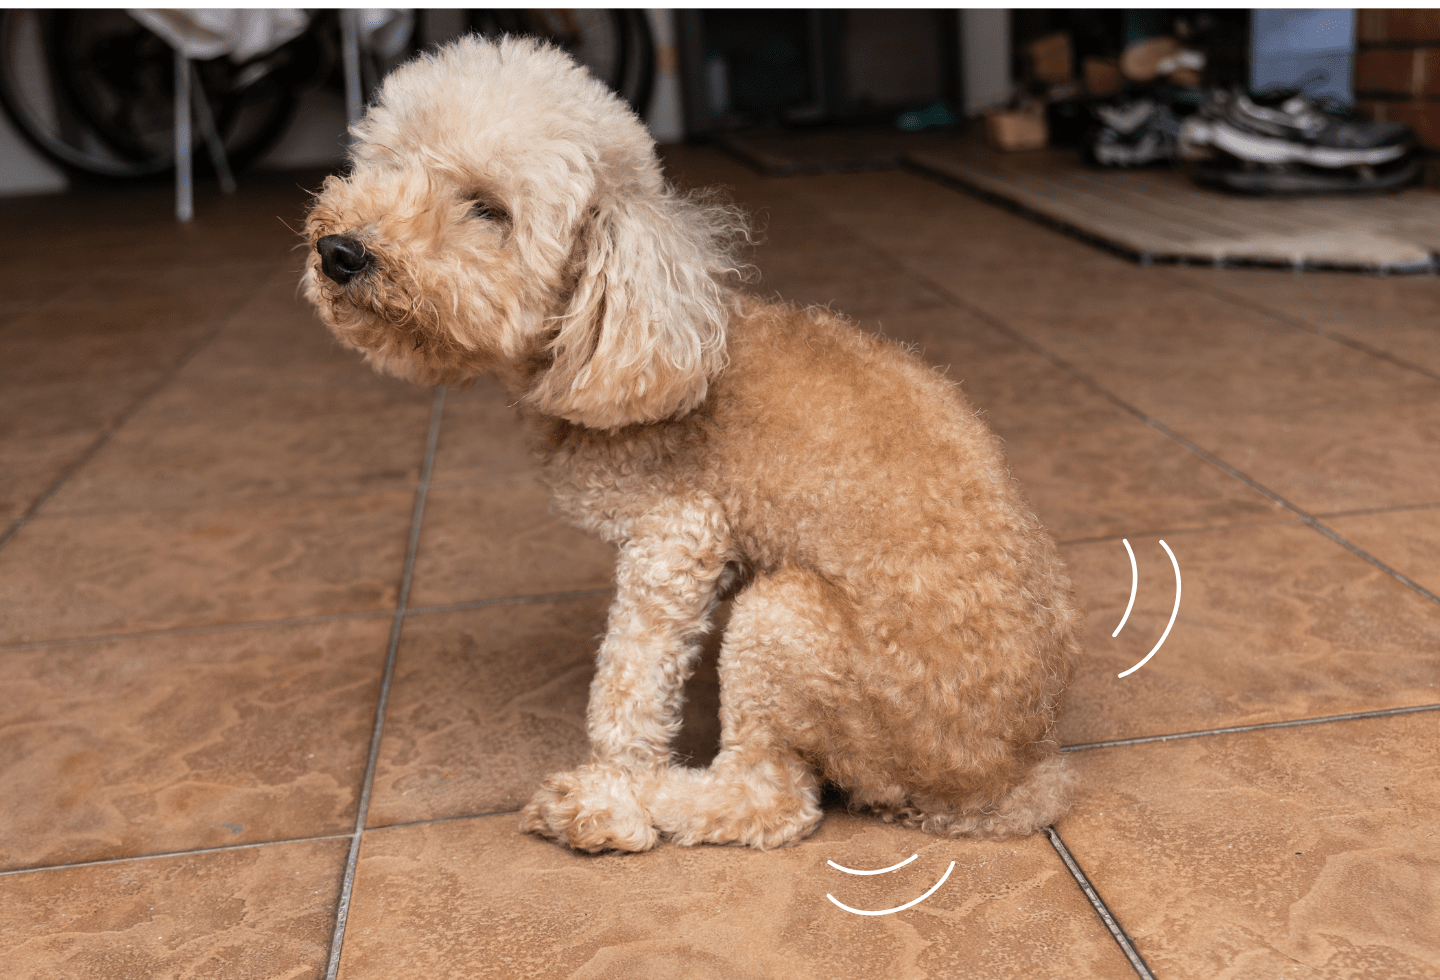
point(208, 334)
point(1177, 531)
point(194, 630)
point(995, 323)
point(240, 847)
point(522, 476)
point(510, 601)
point(316, 491)
point(426, 823)
point(220, 849)
point(307, 620)
point(1366, 511)
point(1293, 508)
point(342, 909)
point(1293, 723)
point(1299, 324)
point(1101, 909)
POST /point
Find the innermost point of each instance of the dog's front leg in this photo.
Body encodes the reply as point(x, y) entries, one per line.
point(669, 566)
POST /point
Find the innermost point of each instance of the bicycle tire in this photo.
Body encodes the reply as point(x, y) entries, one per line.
point(27, 94)
point(640, 83)
point(249, 119)
point(63, 109)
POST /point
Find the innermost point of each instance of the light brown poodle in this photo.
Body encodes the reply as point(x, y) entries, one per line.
point(902, 626)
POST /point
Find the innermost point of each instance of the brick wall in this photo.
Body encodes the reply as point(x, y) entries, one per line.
point(1397, 69)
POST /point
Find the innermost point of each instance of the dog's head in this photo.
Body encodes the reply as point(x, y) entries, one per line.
point(505, 212)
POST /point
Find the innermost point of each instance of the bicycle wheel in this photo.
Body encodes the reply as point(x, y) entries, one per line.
point(93, 91)
point(639, 79)
point(616, 45)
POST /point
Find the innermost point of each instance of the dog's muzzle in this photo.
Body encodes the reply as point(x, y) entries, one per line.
point(342, 258)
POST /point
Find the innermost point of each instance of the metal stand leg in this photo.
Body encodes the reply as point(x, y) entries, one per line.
point(184, 179)
point(350, 54)
point(211, 136)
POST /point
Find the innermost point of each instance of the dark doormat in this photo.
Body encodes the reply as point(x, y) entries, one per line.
point(776, 153)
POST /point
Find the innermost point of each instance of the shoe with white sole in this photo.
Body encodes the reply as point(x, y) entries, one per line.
point(1132, 134)
point(1288, 129)
point(1296, 178)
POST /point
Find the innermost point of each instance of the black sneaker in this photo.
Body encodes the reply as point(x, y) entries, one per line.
point(1244, 177)
point(1289, 128)
point(1132, 134)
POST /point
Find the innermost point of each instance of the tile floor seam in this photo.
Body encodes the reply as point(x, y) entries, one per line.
point(362, 808)
point(259, 624)
point(1263, 726)
point(433, 820)
point(519, 476)
point(997, 324)
point(1305, 516)
point(207, 335)
point(538, 597)
point(1177, 531)
point(195, 630)
point(1286, 409)
point(228, 502)
point(1297, 323)
point(159, 855)
point(1112, 925)
point(1365, 512)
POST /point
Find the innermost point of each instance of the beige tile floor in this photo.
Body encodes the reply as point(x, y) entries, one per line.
point(226, 546)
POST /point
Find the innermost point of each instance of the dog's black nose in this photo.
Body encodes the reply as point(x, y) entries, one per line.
point(342, 258)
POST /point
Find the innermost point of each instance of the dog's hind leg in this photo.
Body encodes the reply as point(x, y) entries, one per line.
point(669, 566)
point(781, 662)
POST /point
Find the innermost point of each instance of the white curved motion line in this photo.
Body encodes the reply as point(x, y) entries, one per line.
point(1134, 585)
point(898, 908)
point(852, 871)
point(1173, 613)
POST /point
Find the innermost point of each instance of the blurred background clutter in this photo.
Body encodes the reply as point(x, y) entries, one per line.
point(1247, 100)
point(92, 94)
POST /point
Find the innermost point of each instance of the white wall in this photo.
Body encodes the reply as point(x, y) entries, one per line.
point(22, 170)
point(665, 115)
point(985, 59)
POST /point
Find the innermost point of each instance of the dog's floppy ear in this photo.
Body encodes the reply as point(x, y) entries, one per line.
point(642, 330)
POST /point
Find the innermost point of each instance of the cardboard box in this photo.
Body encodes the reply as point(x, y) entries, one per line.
point(1140, 62)
point(1102, 77)
point(1011, 129)
point(1051, 58)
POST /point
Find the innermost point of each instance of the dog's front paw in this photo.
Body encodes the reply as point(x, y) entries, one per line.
point(593, 808)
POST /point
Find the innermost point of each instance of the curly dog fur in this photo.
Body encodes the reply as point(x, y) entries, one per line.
point(902, 626)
